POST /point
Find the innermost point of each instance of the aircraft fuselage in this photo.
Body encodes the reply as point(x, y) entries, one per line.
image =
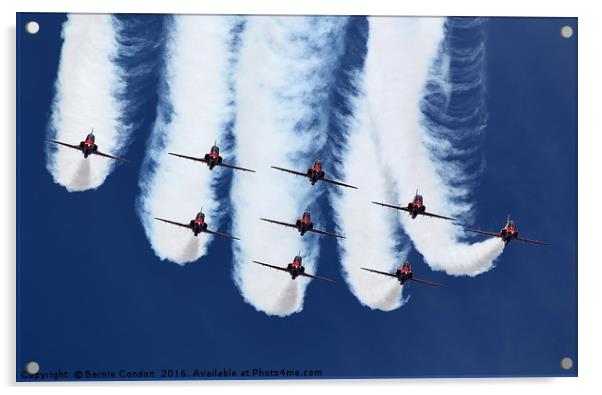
point(88, 146)
point(198, 225)
point(404, 273)
point(213, 158)
point(295, 268)
point(315, 173)
point(416, 207)
point(508, 233)
point(304, 224)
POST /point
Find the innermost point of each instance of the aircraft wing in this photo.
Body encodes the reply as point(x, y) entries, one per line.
point(436, 216)
point(278, 222)
point(337, 183)
point(234, 167)
point(109, 156)
point(531, 241)
point(425, 282)
point(220, 234)
point(317, 277)
point(65, 144)
point(188, 157)
point(272, 266)
point(379, 272)
point(393, 206)
point(298, 173)
point(323, 232)
point(174, 223)
point(482, 232)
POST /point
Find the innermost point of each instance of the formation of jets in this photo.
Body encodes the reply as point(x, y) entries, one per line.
point(315, 173)
point(416, 207)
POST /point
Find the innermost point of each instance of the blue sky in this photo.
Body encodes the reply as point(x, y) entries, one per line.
point(92, 295)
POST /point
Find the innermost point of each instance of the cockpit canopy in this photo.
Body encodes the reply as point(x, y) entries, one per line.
point(90, 137)
point(511, 224)
point(298, 259)
point(215, 149)
point(418, 198)
point(306, 214)
point(200, 215)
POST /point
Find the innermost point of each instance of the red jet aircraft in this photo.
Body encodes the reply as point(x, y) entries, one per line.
point(295, 269)
point(303, 225)
point(315, 174)
point(507, 233)
point(403, 274)
point(414, 208)
point(212, 159)
point(88, 147)
point(198, 225)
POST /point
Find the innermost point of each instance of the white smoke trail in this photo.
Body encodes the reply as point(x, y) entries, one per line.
point(400, 53)
point(285, 67)
point(192, 115)
point(370, 231)
point(87, 88)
